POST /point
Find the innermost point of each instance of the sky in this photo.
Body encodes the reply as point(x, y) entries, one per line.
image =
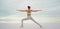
point(50, 10)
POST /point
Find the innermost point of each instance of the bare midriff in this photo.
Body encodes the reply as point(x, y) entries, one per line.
point(28, 12)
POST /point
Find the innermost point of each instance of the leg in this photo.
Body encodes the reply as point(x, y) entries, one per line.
point(36, 22)
point(22, 21)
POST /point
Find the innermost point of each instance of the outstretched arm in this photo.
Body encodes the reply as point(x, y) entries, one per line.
point(35, 10)
point(22, 10)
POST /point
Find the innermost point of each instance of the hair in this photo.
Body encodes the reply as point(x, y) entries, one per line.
point(28, 7)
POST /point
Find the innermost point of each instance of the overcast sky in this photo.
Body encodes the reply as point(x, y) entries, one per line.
point(50, 10)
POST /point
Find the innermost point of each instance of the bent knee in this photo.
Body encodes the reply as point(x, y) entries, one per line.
point(24, 19)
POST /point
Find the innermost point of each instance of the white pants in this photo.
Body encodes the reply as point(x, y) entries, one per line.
point(29, 18)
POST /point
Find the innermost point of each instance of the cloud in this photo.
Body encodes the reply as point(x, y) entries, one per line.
point(50, 8)
point(16, 19)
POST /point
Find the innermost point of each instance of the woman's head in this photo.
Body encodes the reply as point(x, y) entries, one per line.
point(28, 7)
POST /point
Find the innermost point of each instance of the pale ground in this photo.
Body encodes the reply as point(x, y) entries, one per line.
point(29, 26)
